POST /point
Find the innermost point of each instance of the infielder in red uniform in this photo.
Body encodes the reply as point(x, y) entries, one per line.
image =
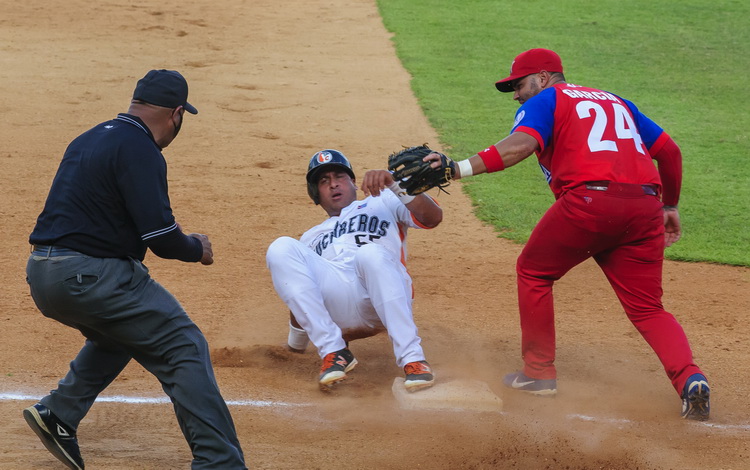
point(595, 149)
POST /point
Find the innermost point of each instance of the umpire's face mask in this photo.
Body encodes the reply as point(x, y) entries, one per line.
point(177, 127)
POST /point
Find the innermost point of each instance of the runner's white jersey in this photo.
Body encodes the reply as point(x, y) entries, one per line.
point(383, 220)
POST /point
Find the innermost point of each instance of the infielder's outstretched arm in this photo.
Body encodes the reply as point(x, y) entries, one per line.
point(509, 151)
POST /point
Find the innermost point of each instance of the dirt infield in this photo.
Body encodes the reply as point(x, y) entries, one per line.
point(274, 82)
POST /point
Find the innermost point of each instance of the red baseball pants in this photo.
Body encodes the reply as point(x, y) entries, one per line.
point(623, 229)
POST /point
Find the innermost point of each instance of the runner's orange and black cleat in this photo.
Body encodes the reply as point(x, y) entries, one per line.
point(334, 368)
point(418, 376)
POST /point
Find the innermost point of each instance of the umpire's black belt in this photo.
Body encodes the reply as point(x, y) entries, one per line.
point(50, 251)
point(648, 189)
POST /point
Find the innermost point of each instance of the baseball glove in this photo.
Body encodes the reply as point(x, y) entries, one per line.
point(416, 176)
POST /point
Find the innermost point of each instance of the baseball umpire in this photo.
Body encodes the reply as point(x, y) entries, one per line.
point(107, 205)
point(595, 150)
point(346, 277)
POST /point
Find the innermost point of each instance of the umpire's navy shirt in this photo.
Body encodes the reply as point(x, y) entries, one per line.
point(109, 197)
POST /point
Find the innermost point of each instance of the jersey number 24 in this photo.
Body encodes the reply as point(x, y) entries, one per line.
point(623, 125)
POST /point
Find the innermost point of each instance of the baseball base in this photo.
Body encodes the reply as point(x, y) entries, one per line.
point(463, 395)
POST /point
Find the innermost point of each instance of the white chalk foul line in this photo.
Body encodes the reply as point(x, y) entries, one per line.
point(731, 427)
point(745, 427)
point(281, 404)
point(157, 400)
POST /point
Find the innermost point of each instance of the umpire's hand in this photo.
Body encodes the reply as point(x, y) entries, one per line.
point(208, 252)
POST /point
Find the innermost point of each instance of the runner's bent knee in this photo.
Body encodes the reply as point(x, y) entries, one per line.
point(281, 249)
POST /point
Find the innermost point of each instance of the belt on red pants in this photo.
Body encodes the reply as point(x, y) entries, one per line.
point(648, 189)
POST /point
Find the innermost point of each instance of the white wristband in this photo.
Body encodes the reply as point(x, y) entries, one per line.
point(400, 193)
point(464, 167)
point(297, 339)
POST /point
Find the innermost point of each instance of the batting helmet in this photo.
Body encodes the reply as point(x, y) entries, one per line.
point(320, 161)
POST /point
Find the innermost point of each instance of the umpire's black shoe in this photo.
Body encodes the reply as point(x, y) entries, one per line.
point(58, 438)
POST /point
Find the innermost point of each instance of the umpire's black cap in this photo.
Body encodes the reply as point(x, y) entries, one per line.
point(166, 88)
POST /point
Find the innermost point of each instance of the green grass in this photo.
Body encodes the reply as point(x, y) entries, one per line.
point(683, 63)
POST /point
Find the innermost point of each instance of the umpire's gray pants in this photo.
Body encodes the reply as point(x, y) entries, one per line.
point(125, 314)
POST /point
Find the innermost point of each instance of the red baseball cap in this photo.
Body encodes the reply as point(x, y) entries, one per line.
point(526, 63)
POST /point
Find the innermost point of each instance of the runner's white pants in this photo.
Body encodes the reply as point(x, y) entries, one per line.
point(374, 292)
